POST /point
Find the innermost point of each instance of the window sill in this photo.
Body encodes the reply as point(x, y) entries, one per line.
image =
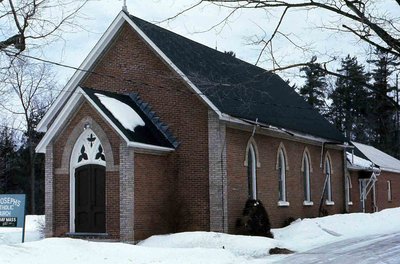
point(329, 202)
point(283, 203)
point(308, 203)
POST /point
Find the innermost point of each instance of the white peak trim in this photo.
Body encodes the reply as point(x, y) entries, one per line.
point(75, 98)
point(78, 76)
point(70, 106)
point(172, 65)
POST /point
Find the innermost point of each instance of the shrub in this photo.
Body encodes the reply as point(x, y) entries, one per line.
point(255, 220)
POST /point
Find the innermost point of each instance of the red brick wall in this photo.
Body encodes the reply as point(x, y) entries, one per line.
point(381, 190)
point(61, 182)
point(137, 69)
point(267, 178)
point(155, 202)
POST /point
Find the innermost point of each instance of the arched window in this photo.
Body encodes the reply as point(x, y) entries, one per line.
point(348, 190)
point(328, 180)
point(306, 170)
point(281, 166)
point(88, 150)
point(252, 171)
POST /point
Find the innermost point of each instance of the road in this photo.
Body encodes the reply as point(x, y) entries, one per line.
point(365, 250)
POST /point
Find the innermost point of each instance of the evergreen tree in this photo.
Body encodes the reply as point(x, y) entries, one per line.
point(7, 158)
point(315, 86)
point(350, 106)
point(383, 110)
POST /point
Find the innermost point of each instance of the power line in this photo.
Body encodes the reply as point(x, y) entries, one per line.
point(134, 82)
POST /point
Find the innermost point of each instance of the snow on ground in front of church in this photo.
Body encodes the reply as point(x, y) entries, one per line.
point(193, 247)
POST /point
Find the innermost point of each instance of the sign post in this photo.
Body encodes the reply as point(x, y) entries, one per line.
point(12, 211)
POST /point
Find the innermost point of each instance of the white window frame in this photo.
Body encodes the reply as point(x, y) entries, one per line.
point(328, 176)
point(349, 187)
point(281, 167)
point(253, 177)
point(389, 190)
point(306, 174)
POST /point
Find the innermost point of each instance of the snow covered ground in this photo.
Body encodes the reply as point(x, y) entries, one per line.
point(194, 247)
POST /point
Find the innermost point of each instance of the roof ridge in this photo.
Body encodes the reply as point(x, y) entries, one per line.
point(147, 110)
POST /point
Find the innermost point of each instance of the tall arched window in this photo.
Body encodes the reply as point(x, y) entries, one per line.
point(282, 167)
point(306, 169)
point(348, 190)
point(252, 171)
point(328, 180)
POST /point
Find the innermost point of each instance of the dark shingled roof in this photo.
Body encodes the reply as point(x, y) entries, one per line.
point(154, 132)
point(238, 88)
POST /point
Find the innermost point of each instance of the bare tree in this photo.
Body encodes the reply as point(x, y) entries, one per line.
point(375, 23)
point(372, 22)
point(30, 87)
point(25, 23)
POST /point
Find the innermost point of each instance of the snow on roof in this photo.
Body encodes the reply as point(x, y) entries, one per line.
point(122, 112)
point(359, 162)
point(380, 158)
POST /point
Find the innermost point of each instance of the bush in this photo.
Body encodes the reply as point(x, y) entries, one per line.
point(255, 220)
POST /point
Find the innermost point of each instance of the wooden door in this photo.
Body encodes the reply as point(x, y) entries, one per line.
point(90, 199)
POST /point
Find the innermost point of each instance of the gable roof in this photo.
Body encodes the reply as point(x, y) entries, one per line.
point(238, 88)
point(130, 116)
point(227, 85)
point(379, 158)
point(153, 132)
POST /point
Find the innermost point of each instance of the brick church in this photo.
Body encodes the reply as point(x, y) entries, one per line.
point(161, 134)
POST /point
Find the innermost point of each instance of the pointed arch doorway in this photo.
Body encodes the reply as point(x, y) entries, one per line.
point(87, 185)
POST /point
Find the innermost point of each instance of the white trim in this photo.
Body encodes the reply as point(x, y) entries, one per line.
point(329, 202)
point(350, 203)
point(87, 64)
point(59, 121)
point(306, 176)
point(172, 65)
point(73, 166)
point(149, 147)
point(308, 203)
point(389, 190)
point(251, 151)
point(316, 140)
point(282, 172)
point(283, 203)
point(94, 54)
point(65, 113)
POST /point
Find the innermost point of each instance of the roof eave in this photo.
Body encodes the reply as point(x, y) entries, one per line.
point(66, 112)
point(234, 120)
point(78, 76)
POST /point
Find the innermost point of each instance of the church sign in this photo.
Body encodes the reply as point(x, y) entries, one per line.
point(12, 211)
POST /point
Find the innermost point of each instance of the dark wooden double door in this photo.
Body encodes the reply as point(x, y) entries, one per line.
point(90, 214)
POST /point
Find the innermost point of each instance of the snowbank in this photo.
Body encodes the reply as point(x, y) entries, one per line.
point(305, 234)
point(195, 247)
point(33, 231)
point(246, 246)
